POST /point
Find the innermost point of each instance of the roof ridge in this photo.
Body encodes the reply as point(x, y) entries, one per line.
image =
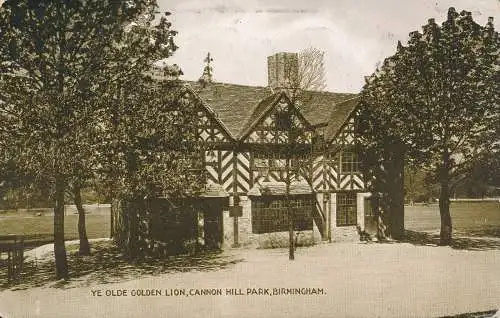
point(232, 84)
point(330, 92)
point(270, 89)
point(350, 99)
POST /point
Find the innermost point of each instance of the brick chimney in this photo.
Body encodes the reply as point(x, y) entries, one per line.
point(282, 70)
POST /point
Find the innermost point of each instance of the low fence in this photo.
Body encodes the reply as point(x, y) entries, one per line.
point(13, 246)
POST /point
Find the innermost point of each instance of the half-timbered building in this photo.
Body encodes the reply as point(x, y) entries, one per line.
point(268, 153)
point(272, 152)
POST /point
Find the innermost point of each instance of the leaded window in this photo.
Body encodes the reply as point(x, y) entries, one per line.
point(346, 209)
point(349, 162)
point(271, 215)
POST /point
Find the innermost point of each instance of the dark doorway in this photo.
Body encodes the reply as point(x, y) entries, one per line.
point(212, 224)
point(370, 220)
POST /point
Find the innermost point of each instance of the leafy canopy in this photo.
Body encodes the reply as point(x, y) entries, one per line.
point(438, 97)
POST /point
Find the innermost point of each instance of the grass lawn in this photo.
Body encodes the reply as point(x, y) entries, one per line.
point(41, 228)
point(468, 218)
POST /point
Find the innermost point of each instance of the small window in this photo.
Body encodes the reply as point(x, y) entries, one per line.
point(282, 121)
point(279, 164)
point(349, 162)
point(261, 163)
point(346, 209)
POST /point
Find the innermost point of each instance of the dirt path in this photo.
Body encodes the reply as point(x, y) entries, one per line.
point(346, 279)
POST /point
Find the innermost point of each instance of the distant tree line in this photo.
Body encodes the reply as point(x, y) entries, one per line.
point(482, 182)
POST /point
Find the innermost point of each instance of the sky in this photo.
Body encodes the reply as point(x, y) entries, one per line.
point(355, 34)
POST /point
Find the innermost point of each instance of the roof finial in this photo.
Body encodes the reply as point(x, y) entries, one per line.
point(207, 76)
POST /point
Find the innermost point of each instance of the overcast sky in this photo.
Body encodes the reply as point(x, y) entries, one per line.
point(355, 34)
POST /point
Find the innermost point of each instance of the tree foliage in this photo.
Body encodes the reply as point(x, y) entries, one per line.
point(149, 142)
point(438, 98)
point(61, 63)
point(149, 151)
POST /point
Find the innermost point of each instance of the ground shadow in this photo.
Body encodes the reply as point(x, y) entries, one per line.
point(481, 314)
point(458, 242)
point(107, 265)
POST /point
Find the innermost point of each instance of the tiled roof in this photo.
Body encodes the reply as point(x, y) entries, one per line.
point(279, 188)
point(238, 107)
point(233, 104)
point(339, 116)
point(318, 107)
point(213, 190)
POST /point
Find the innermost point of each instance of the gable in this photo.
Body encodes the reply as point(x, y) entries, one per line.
point(233, 104)
point(278, 124)
point(209, 128)
point(239, 112)
point(340, 128)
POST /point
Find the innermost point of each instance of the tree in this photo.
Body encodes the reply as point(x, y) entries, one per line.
point(304, 75)
point(383, 148)
point(56, 58)
point(148, 146)
point(418, 186)
point(483, 179)
point(438, 97)
point(83, 172)
point(151, 151)
point(311, 74)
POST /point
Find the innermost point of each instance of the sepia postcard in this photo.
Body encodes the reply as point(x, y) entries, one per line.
point(249, 158)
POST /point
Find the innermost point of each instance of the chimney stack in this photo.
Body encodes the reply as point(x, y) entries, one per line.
point(283, 70)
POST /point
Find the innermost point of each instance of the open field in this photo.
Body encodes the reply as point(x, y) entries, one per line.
point(41, 228)
point(468, 218)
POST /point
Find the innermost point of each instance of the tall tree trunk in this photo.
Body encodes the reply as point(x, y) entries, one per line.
point(132, 248)
point(375, 202)
point(112, 214)
point(60, 182)
point(444, 200)
point(389, 205)
point(381, 205)
point(82, 231)
point(397, 193)
point(444, 211)
point(59, 247)
point(291, 241)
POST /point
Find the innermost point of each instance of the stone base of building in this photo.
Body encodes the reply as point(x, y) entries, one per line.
point(345, 234)
point(246, 238)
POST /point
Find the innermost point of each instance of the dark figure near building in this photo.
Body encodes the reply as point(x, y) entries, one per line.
point(363, 235)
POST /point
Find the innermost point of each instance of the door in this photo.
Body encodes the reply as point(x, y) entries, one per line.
point(370, 221)
point(212, 225)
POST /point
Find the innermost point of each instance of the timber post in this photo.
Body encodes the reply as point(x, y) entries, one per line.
point(235, 212)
